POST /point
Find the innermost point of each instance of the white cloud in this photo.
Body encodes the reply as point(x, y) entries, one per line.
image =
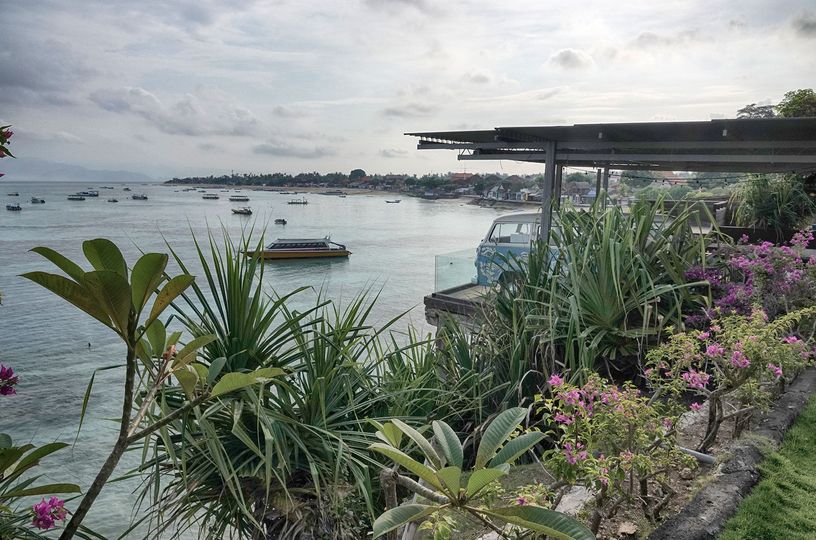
point(572, 59)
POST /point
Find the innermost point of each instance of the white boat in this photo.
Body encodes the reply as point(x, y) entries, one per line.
point(14, 207)
point(302, 200)
point(393, 201)
point(210, 196)
point(76, 197)
point(238, 198)
point(302, 248)
point(139, 197)
point(244, 211)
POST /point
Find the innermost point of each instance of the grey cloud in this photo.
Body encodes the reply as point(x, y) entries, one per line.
point(287, 112)
point(805, 25)
point(410, 110)
point(280, 149)
point(392, 153)
point(650, 40)
point(190, 115)
point(419, 5)
point(478, 78)
point(571, 59)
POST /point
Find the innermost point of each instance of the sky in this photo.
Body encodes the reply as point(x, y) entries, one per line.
point(187, 87)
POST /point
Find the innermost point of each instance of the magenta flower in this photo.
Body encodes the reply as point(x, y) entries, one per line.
point(47, 513)
point(696, 379)
point(714, 350)
point(739, 360)
point(563, 418)
point(7, 381)
point(695, 406)
point(572, 456)
point(790, 340)
point(521, 501)
point(570, 398)
point(703, 336)
point(667, 423)
point(776, 370)
point(555, 380)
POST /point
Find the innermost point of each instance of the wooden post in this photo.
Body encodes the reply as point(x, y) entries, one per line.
point(559, 174)
point(605, 184)
point(598, 184)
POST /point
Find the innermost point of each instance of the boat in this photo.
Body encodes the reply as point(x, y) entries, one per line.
point(14, 194)
point(334, 192)
point(90, 193)
point(302, 248)
point(76, 197)
point(280, 221)
point(393, 201)
point(37, 200)
point(14, 207)
point(126, 189)
point(139, 197)
point(342, 196)
point(302, 200)
point(113, 200)
point(238, 198)
point(244, 211)
point(210, 196)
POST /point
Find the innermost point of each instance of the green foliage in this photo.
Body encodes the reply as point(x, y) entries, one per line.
point(603, 290)
point(615, 442)
point(780, 506)
point(451, 490)
point(753, 110)
point(640, 179)
point(796, 103)
point(777, 202)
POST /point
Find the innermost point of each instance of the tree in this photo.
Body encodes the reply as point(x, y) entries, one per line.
point(639, 179)
point(756, 111)
point(578, 177)
point(797, 103)
point(356, 174)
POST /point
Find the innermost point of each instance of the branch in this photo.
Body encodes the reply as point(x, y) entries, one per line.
point(420, 490)
point(169, 418)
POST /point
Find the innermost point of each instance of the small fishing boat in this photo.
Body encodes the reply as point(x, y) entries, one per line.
point(302, 248)
point(393, 201)
point(113, 200)
point(210, 196)
point(126, 189)
point(14, 207)
point(238, 198)
point(76, 197)
point(302, 200)
point(13, 194)
point(280, 221)
point(244, 211)
point(37, 200)
point(139, 197)
point(90, 193)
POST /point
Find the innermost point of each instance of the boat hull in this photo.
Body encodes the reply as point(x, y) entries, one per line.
point(281, 255)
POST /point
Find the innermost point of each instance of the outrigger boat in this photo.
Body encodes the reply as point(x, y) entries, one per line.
point(302, 248)
point(238, 198)
point(244, 211)
point(210, 196)
point(76, 198)
point(14, 207)
point(395, 201)
point(37, 200)
point(141, 197)
point(280, 221)
point(298, 201)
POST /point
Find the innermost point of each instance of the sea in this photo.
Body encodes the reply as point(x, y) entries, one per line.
point(400, 253)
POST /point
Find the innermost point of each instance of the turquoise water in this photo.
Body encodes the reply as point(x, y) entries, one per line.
point(46, 340)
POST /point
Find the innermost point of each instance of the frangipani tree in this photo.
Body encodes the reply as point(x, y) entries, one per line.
point(447, 488)
point(130, 304)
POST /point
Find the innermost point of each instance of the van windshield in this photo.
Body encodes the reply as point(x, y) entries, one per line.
point(513, 233)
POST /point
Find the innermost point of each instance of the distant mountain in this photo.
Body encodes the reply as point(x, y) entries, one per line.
point(40, 169)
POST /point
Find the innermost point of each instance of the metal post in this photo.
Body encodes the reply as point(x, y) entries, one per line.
point(559, 174)
point(547, 190)
point(605, 185)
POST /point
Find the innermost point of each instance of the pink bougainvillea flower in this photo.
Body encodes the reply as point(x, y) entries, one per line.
point(776, 370)
point(521, 501)
point(791, 340)
point(714, 350)
point(696, 379)
point(47, 513)
point(704, 335)
point(563, 418)
point(8, 380)
point(555, 380)
point(739, 360)
point(695, 406)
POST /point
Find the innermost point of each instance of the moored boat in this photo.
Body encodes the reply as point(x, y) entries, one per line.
point(238, 198)
point(210, 196)
point(89, 193)
point(113, 200)
point(139, 197)
point(302, 248)
point(14, 207)
point(302, 200)
point(244, 211)
point(37, 200)
point(393, 201)
point(280, 221)
point(13, 194)
point(76, 197)
point(126, 189)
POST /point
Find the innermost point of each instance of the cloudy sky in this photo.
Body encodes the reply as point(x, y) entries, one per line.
point(199, 86)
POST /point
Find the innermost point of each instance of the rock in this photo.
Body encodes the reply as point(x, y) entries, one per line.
point(626, 529)
point(489, 536)
point(686, 473)
point(574, 499)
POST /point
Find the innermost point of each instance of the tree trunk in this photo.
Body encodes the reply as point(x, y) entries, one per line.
point(116, 454)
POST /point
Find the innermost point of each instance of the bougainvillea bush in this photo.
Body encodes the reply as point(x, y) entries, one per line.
point(737, 363)
point(613, 441)
point(777, 278)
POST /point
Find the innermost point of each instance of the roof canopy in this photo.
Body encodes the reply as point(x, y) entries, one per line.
point(736, 145)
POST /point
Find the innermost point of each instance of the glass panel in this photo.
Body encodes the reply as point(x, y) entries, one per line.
point(453, 269)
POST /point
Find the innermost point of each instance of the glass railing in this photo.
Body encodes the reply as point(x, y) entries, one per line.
point(455, 268)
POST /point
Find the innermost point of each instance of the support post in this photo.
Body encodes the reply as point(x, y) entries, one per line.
point(598, 184)
point(605, 185)
point(559, 174)
point(547, 190)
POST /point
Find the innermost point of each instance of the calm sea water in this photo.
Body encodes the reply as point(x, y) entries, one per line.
point(46, 340)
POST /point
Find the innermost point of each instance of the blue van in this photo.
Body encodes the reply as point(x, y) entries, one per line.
point(509, 238)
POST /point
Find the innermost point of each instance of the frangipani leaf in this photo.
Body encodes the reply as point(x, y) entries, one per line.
point(188, 380)
point(497, 432)
point(451, 479)
point(422, 442)
point(231, 382)
point(188, 353)
point(409, 463)
point(112, 293)
point(104, 255)
point(169, 292)
point(145, 277)
point(541, 520)
point(156, 335)
point(71, 291)
point(516, 447)
point(481, 478)
point(399, 516)
point(62, 262)
point(449, 443)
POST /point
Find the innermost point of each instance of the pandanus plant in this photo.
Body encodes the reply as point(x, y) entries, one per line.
point(119, 300)
point(447, 488)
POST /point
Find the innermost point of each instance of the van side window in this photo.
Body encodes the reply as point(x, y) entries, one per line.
point(512, 233)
